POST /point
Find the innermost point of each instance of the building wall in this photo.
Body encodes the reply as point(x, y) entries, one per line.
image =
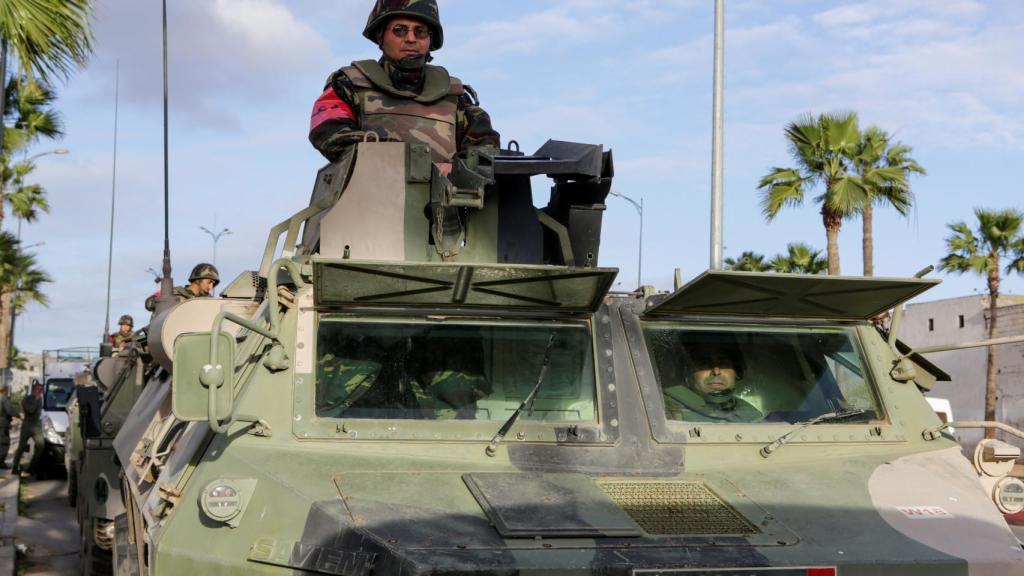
point(939, 322)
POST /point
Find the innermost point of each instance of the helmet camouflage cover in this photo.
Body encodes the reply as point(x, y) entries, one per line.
point(423, 10)
point(126, 319)
point(207, 271)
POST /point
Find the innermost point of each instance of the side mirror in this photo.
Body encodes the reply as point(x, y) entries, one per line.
point(106, 350)
point(200, 389)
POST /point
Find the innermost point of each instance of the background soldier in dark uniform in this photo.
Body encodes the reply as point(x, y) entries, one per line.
point(8, 412)
point(400, 97)
point(31, 427)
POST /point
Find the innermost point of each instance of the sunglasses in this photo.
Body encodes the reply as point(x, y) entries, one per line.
point(402, 30)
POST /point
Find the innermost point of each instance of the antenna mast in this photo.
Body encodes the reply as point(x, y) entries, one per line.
point(113, 192)
point(166, 298)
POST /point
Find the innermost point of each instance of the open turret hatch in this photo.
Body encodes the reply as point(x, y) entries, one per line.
point(772, 295)
point(349, 283)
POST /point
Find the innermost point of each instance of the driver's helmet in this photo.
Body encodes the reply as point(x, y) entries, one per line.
point(423, 10)
point(126, 319)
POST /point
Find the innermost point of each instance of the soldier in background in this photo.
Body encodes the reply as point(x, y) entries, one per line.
point(201, 282)
point(8, 412)
point(401, 97)
point(31, 428)
point(124, 332)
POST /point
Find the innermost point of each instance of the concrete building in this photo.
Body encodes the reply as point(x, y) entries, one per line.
point(967, 319)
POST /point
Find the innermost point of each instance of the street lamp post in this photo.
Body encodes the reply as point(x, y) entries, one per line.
point(640, 251)
point(216, 238)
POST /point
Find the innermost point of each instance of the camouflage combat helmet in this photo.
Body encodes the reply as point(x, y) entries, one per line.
point(424, 10)
point(205, 270)
point(126, 319)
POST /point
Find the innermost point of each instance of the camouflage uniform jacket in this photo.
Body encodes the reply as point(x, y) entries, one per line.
point(682, 403)
point(182, 293)
point(366, 97)
point(119, 340)
point(8, 411)
point(32, 407)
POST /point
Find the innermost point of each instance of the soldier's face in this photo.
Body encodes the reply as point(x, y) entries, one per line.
point(204, 286)
point(126, 329)
point(717, 374)
point(407, 46)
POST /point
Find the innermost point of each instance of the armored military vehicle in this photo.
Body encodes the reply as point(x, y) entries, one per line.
point(96, 412)
point(430, 376)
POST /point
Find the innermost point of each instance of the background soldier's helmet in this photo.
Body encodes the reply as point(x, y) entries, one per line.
point(126, 319)
point(205, 270)
point(424, 10)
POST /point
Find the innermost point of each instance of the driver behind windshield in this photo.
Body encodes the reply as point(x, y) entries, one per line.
point(708, 393)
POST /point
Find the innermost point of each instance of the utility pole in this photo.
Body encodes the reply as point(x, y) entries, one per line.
point(717, 121)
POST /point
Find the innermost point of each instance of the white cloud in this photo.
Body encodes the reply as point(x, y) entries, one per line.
point(224, 55)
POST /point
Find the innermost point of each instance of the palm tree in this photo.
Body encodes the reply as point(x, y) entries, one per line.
point(21, 282)
point(821, 147)
point(997, 238)
point(884, 168)
point(747, 262)
point(29, 117)
point(799, 258)
point(45, 39)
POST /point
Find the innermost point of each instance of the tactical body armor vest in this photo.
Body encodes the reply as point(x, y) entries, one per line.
point(427, 117)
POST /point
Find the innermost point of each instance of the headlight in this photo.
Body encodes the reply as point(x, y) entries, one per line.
point(51, 434)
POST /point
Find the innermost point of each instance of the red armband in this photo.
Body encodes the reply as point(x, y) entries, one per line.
point(329, 107)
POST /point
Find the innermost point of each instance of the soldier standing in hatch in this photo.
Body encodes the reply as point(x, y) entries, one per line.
point(124, 332)
point(8, 412)
point(31, 428)
point(401, 97)
point(201, 282)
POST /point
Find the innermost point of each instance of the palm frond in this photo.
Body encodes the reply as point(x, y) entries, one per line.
point(48, 38)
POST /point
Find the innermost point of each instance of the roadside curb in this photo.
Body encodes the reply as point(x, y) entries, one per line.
point(10, 484)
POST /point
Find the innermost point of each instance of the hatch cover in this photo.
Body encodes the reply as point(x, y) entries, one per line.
point(547, 288)
point(723, 293)
point(526, 505)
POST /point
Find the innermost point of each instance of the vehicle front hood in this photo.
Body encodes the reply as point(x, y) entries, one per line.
point(59, 420)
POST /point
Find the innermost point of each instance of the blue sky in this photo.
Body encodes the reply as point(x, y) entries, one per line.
point(943, 75)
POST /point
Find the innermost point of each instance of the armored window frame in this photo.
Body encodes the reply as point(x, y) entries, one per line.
point(307, 425)
point(882, 429)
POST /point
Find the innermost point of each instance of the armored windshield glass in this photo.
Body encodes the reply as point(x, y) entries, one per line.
point(448, 371)
point(759, 375)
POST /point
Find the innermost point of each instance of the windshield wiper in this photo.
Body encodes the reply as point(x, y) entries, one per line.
point(767, 450)
point(492, 448)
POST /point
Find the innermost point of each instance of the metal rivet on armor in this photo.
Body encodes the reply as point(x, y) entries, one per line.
point(520, 435)
point(300, 345)
point(739, 437)
point(611, 387)
point(614, 422)
point(608, 352)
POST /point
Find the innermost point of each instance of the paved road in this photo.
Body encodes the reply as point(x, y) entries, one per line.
point(48, 529)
